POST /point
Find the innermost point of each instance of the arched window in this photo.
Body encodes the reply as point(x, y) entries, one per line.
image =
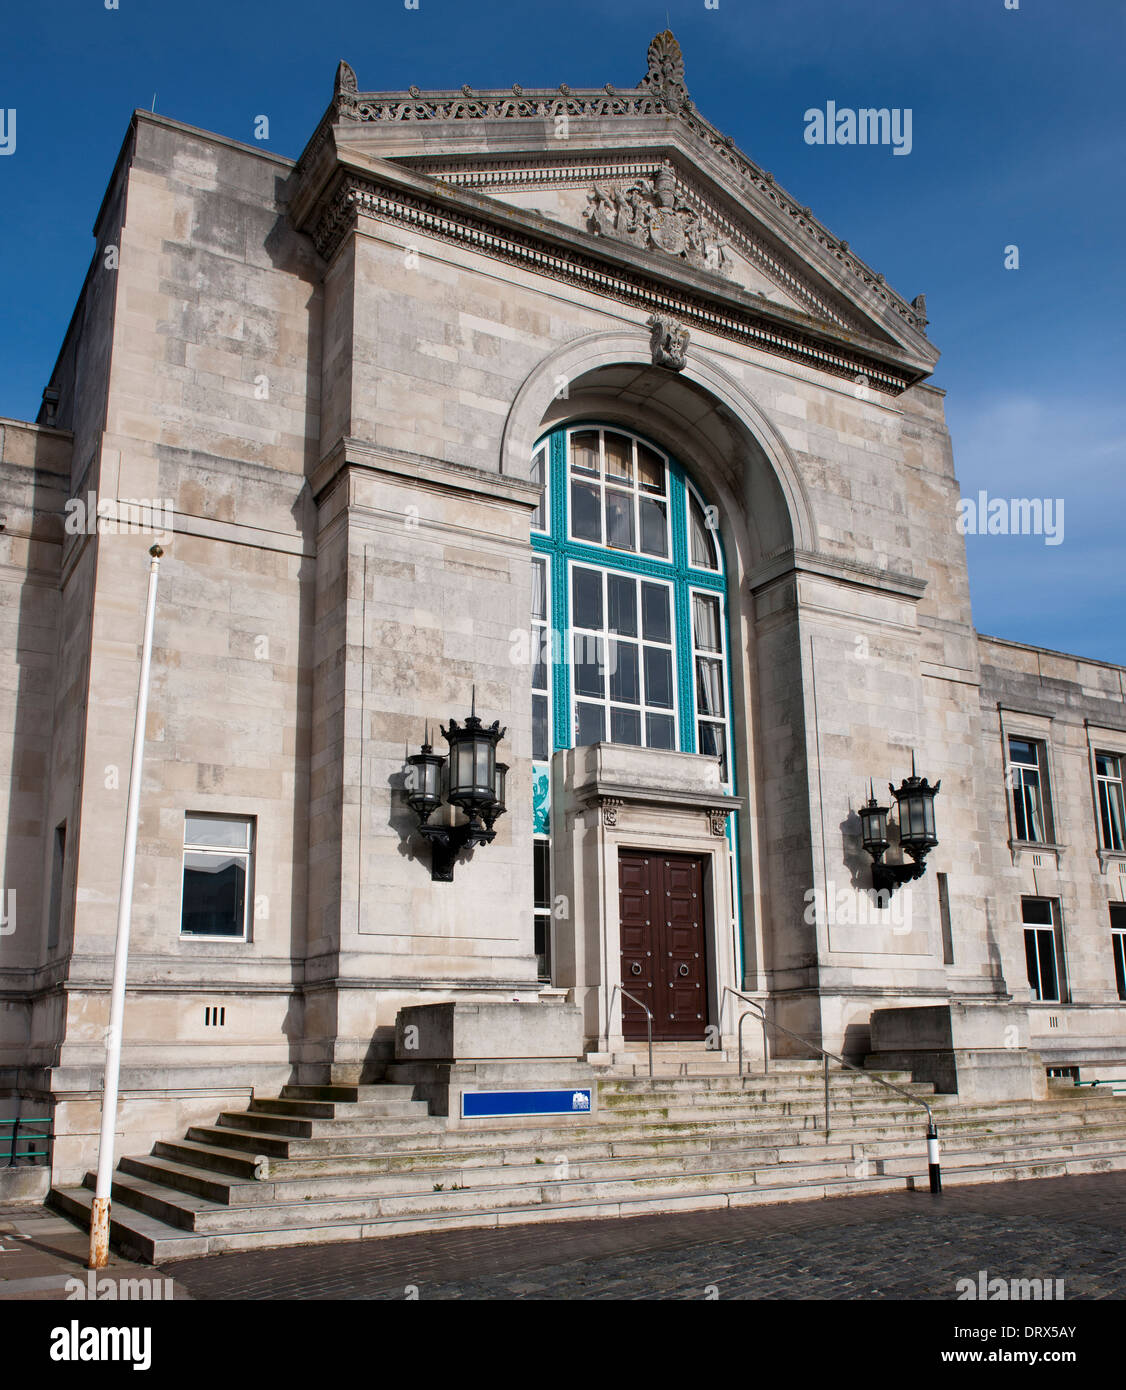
point(629, 615)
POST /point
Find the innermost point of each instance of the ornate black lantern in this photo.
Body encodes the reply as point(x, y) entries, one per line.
point(475, 784)
point(914, 798)
point(424, 781)
point(874, 826)
point(494, 812)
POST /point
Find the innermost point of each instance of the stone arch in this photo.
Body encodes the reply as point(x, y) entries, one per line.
point(611, 373)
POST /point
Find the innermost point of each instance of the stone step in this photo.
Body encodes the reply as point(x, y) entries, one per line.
point(158, 1241)
point(220, 1167)
point(339, 1109)
point(338, 1162)
point(267, 1121)
point(853, 1122)
point(491, 1170)
point(383, 1090)
point(768, 1084)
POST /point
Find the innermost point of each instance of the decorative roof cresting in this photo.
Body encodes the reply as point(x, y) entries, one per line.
point(665, 77)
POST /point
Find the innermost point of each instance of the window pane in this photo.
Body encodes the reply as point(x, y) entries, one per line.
point(538, 475)
point(621, 597)
point(543, 946)
point(1034, 821)
point(1116, 838)
point(586, 515)
point(541, 860)
point(658, 677)
point(654, 528)
point(590, 725)
point(713, 742)
point(650, 470)
point(539, 589)
point(584, 451)
point(705, 622)
point(1032, 963)
point(1022, 751)
point(709, 687)
point(703, 551)
point(1036, 912)
point(223, 832)
point(625, 680)
point(539, 658)
point(539, 728)
point(619, 519)
point(214, 894)
point(589, 666)
point(586, 598)
point(655, 620)
point(625, 726)
point(1049, 985)
point(1106, 766)
point(619, 456)
point(659, 732)
point(1118, 942)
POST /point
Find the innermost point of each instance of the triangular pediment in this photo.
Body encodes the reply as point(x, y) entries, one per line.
point(652, 204)
point(636, 172)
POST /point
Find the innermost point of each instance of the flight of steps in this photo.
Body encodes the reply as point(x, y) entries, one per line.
point(326, 1163)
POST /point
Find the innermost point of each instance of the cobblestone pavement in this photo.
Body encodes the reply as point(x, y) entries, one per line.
point(890, 1246)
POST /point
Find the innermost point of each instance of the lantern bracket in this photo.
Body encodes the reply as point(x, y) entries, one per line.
point(886, 878)
point(447, 842)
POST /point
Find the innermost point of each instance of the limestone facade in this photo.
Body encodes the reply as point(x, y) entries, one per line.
point(331, 377)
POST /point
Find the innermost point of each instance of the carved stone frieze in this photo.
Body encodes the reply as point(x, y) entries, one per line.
point(367, 197)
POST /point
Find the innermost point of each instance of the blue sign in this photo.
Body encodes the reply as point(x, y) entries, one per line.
point(480, 1104)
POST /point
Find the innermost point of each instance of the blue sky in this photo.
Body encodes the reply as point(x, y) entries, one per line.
point(1019, 138)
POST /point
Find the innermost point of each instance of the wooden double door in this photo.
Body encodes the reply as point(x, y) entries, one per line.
point(663, 938)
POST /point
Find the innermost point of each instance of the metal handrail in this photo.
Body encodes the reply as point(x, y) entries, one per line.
point(757, 1009)
point(648, 1018)
point(17, 1139)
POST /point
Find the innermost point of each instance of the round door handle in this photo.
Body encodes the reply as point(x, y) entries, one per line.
point(636, 968)
point(684, 970)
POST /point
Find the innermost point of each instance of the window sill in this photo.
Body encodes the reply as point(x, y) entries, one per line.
point(1019, 848)
point(215, 940)
point(1107, 857)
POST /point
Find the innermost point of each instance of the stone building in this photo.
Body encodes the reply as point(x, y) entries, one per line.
point(556, 402)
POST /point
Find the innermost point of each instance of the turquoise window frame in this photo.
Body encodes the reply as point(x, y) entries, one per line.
point(555, 543)
point(677, 571)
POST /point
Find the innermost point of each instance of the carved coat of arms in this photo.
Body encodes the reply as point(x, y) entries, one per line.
point(650, 213)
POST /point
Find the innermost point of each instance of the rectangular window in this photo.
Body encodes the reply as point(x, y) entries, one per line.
point(1028, 777)
point(541, 662)
point(217, 875)
point(1118, 945)
point(539, 475)
point(622, 659)
point(944, 919)
point(1108, 774)
point(541, 850)
point(711, 706)
point(55, 904)
point(1043, 948)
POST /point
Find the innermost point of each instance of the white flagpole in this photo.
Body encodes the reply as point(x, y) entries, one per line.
point(99, 1215)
